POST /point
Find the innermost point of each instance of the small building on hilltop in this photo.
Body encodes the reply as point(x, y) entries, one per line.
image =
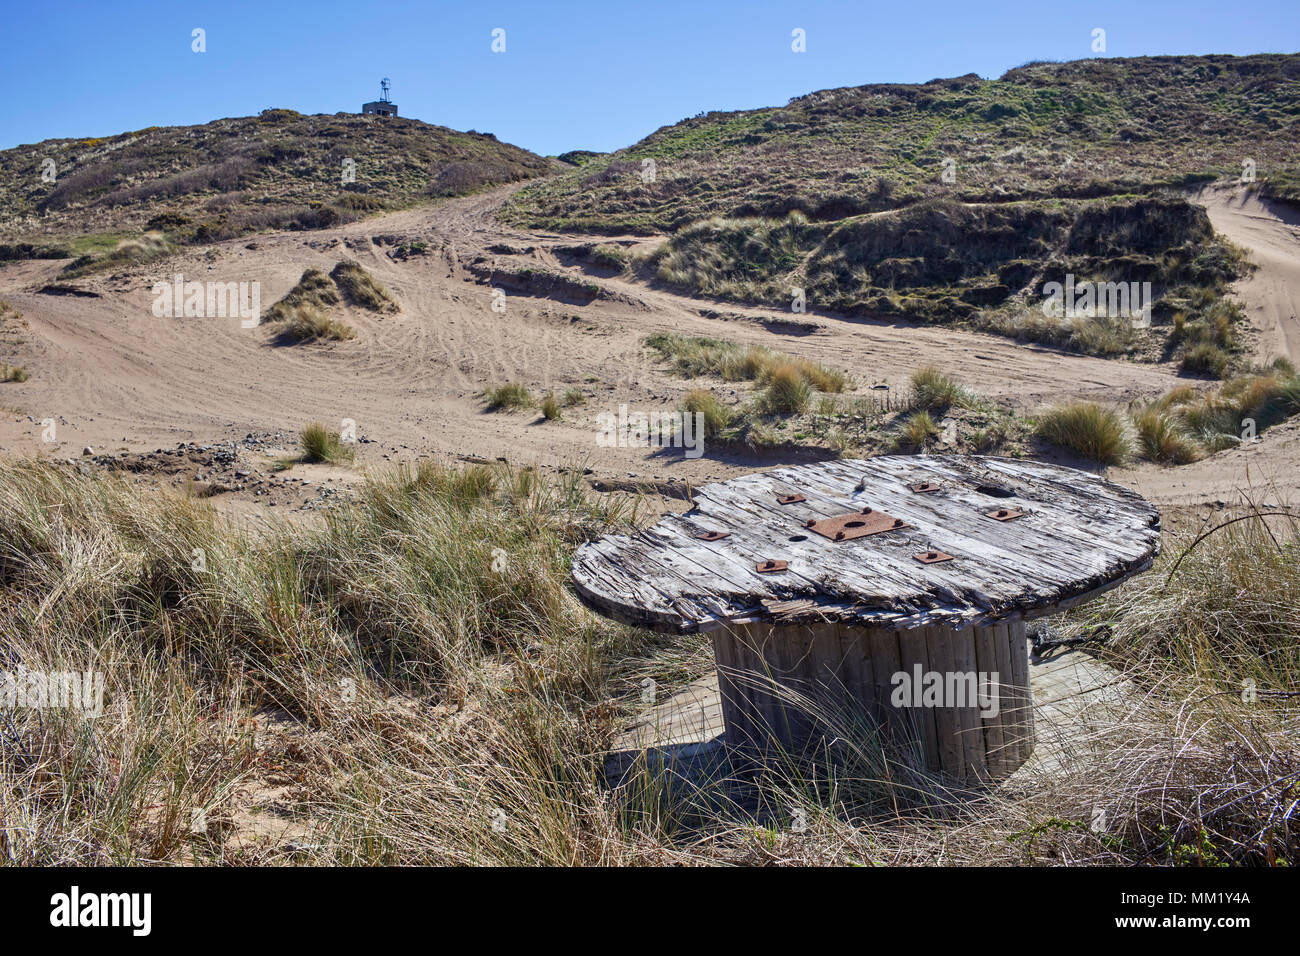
point(382, 106)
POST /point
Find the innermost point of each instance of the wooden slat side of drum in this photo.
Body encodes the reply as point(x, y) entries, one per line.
point(955, 701)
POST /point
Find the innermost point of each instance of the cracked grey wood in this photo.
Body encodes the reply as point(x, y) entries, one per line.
point(1081, 534)
point(807, 652)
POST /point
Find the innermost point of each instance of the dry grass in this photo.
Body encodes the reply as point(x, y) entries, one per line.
point(551, 407)
point(318, 443)
point(933, 390)
point(508, 397)
point(702, 401)
point(361, 288)
point(399, 596)
point(414, 679)
point(307, 323)
point(1162, 437)
point(693, 357)
point(820, 377)
point(1096, 432)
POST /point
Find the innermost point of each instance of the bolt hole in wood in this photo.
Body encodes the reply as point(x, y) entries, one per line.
point(837, 627)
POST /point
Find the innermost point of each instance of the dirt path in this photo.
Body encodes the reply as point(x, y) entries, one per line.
point(1268, 469)
point(1271, 232)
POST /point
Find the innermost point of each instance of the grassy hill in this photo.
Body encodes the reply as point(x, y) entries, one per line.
point(279, 169)
point(957, 199)
point(1079, 130)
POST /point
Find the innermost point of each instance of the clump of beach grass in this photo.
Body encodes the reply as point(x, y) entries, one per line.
point(508, 397)
point(307, 323)
point(551, 407)
point(1092, 430)
point(1163, 437)
point(361, 288)
point(314, 288)
point(914, 432)
point(934, 390)
point(786, 391)
point(302, 314)
point(716, 416)
point(320, 444)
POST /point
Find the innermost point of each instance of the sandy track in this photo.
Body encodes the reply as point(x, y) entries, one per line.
point(114, 376)
point(1271, 233)
point(1267, 469)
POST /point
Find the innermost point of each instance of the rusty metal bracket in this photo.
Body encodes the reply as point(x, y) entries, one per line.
point(764, 567)
point(932, 557)
point(1004, 514)
point(788, 499)
point(857, 524)
point(924, 487)
point(713, 535)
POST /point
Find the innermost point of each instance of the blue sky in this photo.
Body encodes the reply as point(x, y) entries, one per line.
point(574, 75)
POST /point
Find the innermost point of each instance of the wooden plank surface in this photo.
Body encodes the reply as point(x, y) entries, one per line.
point(1080, 533)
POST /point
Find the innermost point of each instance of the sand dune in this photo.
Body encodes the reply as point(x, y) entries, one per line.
point(115, 377)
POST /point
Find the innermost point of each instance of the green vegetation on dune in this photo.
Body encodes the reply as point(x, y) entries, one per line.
point(985, 266)
point(230, 177)
point(1082, 129)
point(958, 200)
point(508, 397)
